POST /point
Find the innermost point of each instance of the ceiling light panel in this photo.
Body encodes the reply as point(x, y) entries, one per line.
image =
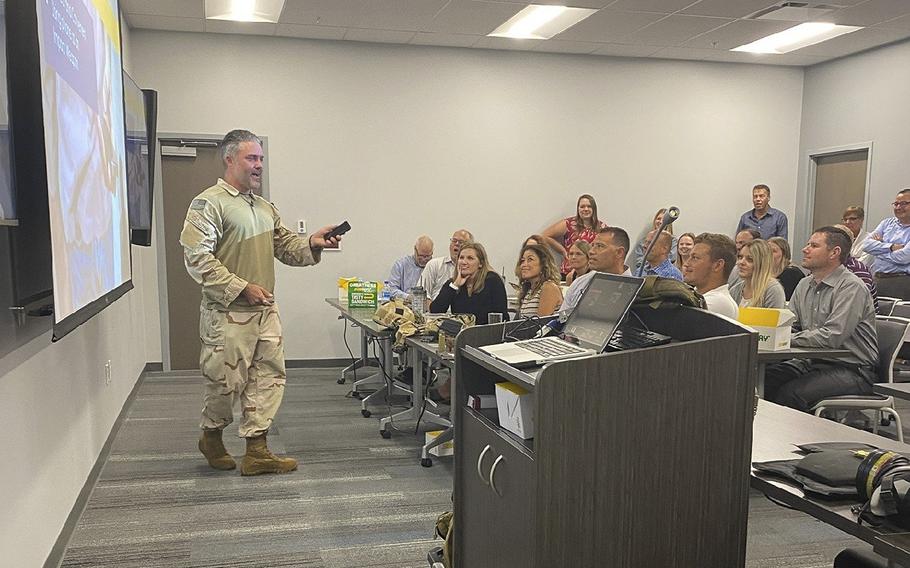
point(244, 10)
point(797, 37)
point(537, 21)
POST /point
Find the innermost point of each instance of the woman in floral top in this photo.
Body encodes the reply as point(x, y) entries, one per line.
point(582, 227)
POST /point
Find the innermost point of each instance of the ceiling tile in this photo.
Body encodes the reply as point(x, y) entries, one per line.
point(728, 8)
point(622, 50)
point(166, 23)
point(737, 33)
point(871, 12)
point(339, 13)
point(310, 32)
point(607, 25)
point(675, 30)
point(472, 17)
point(902, 23)
point(173, 8)
point(448, 40)
point(378, 36)
point(562, 46)
point(660, 6)
point(855, 42)
point(246, 28)
point(410, 15)
point(507, 43)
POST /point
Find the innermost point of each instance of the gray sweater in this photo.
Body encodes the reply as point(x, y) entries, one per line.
point(773, 297)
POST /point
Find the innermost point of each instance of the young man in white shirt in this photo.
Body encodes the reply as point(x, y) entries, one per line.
point(708, 269)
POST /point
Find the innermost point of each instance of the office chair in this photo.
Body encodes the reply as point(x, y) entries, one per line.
point(885, 304)
point(892, 333)
point(899, 308)
point(855, 558)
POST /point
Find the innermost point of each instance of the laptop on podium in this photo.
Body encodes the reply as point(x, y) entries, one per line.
point(601, 309)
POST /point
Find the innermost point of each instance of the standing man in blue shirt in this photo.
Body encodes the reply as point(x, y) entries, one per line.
point(768, 221)
point(406, 271)
point(888, 246)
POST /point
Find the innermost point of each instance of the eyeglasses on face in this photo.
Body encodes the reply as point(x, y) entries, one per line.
point(900, 203)
point(846, 219)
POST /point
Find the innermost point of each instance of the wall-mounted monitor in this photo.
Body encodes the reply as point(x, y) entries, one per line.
point(7, 197)
point(68, 129)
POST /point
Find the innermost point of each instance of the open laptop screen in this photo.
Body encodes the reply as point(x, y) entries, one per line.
point(601, 309)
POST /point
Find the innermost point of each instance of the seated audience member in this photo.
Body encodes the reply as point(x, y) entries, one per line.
point(532, 240)
point(684, 245)
point(767, 221)
point(888, 245)
point(833, 310)
point(853, 219)
point(540, 294)
point(474, 288)
point(742, 237)
point(658, 261)
point(757, 287)
point(858, 268)
point(578, 261)
point(607, 254)
point(787, 274)
point(440, 269)
point(708, 268)
point(641, 243)
point(406, 271)
point(582, 227)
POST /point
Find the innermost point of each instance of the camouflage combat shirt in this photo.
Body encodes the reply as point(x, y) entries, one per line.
point(230, 239)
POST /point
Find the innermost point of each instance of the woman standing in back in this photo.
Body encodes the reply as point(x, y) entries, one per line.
point(582, 227)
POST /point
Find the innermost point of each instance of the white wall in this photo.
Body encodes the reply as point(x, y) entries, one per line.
point(859, 99)
point(403, 140)
point(59, 411)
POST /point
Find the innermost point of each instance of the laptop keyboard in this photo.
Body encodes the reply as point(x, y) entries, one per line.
point(627, 337)
point(550, 347)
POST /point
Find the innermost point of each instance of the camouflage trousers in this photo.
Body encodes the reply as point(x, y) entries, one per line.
point(242, 357)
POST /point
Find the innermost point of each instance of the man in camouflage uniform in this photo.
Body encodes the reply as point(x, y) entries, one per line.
point(229, 238)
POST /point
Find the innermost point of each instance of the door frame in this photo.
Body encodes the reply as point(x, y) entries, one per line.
point(813, 155)
point(168, 139)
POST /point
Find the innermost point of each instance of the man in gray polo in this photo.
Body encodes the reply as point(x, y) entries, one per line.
point(833, 310)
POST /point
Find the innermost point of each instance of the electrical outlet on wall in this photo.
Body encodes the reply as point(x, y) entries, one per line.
point(107, 372)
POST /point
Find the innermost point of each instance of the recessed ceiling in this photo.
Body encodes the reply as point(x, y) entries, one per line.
point(665, 29)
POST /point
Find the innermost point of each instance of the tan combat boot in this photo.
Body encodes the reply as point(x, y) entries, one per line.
point(259, 459)
point(212, 448)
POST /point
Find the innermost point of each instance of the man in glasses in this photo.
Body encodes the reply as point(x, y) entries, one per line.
point(888, 246)
point(438, 271)
point(406, 271)
point(853, 219)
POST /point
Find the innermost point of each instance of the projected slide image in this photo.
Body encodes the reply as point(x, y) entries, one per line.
point(7, 203)
point(84, 142)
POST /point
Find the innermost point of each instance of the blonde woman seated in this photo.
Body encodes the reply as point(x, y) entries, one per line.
point(578, 261)
point(757, 288)
point(540, 294)
point(474, 288)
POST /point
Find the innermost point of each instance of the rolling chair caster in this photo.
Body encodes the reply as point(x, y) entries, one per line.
point(366, 413)
point(385, 434)
point(341, 381)
point(426, 462)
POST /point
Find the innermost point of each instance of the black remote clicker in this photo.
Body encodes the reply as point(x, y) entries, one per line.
point(337, 231)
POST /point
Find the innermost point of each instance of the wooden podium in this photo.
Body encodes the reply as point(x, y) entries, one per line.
point(641, 458)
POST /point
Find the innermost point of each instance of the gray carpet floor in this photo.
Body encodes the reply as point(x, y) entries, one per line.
point(357, 500)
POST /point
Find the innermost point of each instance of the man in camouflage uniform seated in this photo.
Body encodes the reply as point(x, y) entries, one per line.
point(230, 237)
